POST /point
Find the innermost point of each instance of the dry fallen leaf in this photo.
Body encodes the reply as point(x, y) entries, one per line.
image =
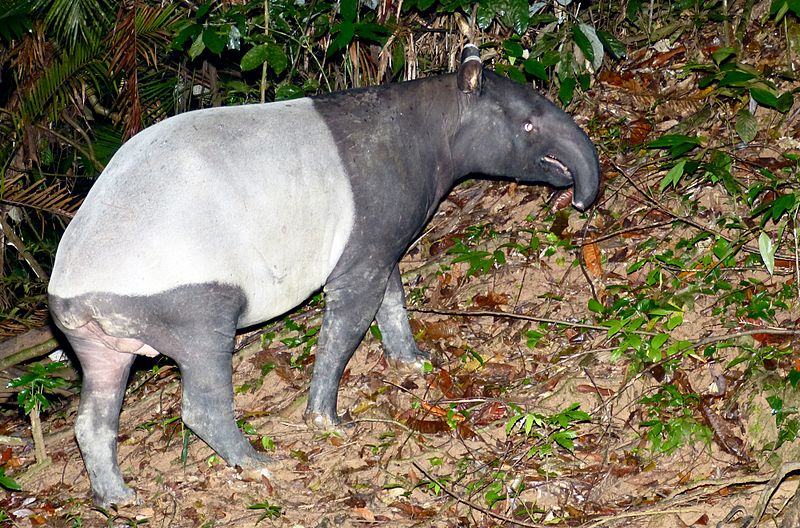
point(591, 256)
point(365, 513)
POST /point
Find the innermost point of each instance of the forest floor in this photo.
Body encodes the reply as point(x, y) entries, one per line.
point(534, 413)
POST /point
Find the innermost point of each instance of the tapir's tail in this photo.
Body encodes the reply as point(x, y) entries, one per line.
point(69, 314)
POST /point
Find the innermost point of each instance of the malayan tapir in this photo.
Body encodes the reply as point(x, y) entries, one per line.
point(223, 218)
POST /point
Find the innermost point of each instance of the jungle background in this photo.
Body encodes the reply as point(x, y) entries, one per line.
point(633, 365)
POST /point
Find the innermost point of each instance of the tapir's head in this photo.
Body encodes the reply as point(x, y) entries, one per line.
point(507, 129)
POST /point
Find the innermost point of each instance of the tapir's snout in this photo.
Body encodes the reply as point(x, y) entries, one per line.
point(572, 154)
point(585, 176)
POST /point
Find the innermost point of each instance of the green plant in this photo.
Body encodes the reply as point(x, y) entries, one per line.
point(631, 320)
point(32, 398)
point(306, 338)
point(546, 431)
point(671, 422)
point(268, 511)
point(8, 482)
point(786, 419)
point(479, 261)
point(498, 486)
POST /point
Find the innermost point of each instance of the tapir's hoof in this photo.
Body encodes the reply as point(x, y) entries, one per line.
point(123, 496)
point(409, 361)
point(254, 460)
point(322, 422)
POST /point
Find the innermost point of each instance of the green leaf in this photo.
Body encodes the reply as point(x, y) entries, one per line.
point(595, 306)
point(674, 322)
point(566, 90)
point(723, 54)
point(582, 40)
point(343, 37)
point(746, 125)
point(616, 48)
point(764, 96)
point(286, 91)
point(204, 9)
point(736, 77)
point(8, 482)
point(513, 48)
point(767, 250)
point(785, 102)
point(632, 10)
point(485, 15)
point(535, 68)
point(270, 53)
point(596, 47)
point(348, 10)
point(213, 40)
point(673, 176)
point(371, 31)
point(197, 46)
point(515, 13)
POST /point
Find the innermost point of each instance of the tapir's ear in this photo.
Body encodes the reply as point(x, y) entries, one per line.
point(470, 71)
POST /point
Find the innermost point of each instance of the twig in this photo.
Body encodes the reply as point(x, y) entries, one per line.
point(647, 513)
point(383, 421)
point(17, 242)
point(474, 506)
point(74, 144)
point(509, 315)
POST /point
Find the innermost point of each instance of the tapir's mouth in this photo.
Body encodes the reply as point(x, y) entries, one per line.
point(558, 164)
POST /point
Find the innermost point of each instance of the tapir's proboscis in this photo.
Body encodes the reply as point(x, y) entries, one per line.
point(219, 219)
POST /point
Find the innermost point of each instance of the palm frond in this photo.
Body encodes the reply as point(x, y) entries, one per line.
point(78, 22)
point(154, 26)
point(157, 92)
point(139, 32)
point(40, 195)
point(52, 90)
point(14, 18)
point(107, 140)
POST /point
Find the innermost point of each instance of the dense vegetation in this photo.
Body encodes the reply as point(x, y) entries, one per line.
point(691, 257)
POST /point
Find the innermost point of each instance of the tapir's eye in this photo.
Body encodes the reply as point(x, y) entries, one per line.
point(527, 126)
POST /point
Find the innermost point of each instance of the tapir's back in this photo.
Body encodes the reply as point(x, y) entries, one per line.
point(251, 197)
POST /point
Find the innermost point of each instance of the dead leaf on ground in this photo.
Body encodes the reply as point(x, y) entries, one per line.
point(592, 258)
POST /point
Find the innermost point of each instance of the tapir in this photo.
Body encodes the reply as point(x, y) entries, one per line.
point(223, 218)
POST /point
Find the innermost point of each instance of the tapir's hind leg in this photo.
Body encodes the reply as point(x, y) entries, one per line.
point(207, 405)
point(392, 317)
point(105, 374)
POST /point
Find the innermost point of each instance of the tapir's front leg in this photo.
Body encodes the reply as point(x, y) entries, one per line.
point(351, 302)
point(392, 317)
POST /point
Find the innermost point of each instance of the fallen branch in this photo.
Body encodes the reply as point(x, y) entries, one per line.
point(33, 337)
point(11, 355)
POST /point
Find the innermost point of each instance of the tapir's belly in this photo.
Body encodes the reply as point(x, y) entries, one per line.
point(255, 197)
